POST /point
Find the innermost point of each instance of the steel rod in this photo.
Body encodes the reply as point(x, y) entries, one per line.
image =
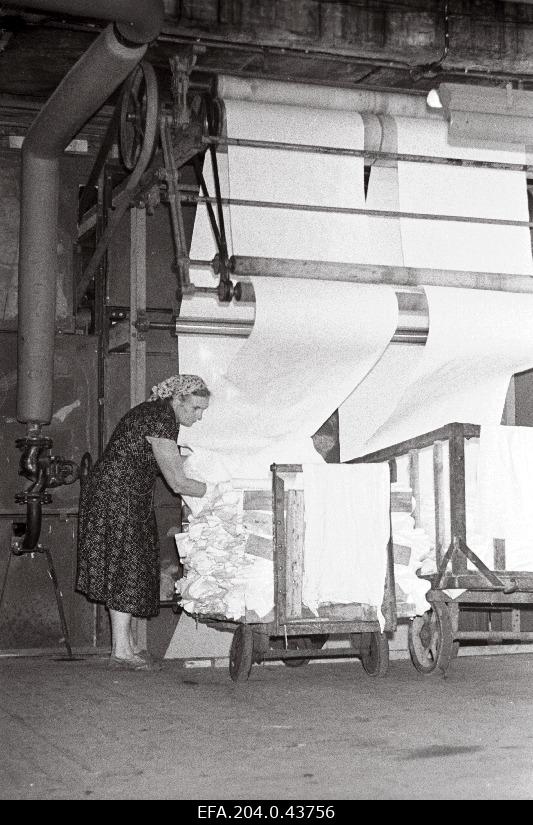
point(242, 329)
point(398, 277)
point(497, 635)
point(370, 155)
point(210, 326)
point(59, 601)
point(19, 516)
point(349, 210)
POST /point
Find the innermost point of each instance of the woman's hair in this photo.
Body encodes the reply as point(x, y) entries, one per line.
point(203, 392)
point(181, 385)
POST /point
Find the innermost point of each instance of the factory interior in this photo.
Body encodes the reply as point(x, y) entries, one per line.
point(323, 209)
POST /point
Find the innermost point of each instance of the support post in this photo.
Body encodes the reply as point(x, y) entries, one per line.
point(414, 483)
point(457, 494)
point(295, 552)
point(438, 493)
point(137, 344)
point(279, 547)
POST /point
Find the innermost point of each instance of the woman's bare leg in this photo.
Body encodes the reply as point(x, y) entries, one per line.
point(136, 638)
point(121, 634)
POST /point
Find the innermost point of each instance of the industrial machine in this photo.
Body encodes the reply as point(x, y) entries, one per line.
point(162, 149)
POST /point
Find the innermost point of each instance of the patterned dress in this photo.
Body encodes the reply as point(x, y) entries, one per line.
point(118, 543)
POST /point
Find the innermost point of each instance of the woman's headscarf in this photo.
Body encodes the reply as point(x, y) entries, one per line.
point(178, 385)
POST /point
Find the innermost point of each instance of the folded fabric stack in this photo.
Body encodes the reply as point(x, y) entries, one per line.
point(222, 579)
point(414, 553)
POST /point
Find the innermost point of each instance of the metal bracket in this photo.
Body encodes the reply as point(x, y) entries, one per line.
point(142, 324)
point(176, 213)
point(181, 66)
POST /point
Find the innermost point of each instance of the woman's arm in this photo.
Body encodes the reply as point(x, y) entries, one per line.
point(170, 462)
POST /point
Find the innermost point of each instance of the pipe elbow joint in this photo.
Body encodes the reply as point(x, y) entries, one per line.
point(144, 27)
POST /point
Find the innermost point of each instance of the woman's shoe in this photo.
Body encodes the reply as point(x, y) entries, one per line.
point(135, 663)
point(144, 654)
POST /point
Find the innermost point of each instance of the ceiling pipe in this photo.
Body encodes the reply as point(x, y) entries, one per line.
point(86, 87)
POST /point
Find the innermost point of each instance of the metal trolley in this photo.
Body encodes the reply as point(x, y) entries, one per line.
point(291, 636)
point(496, 604)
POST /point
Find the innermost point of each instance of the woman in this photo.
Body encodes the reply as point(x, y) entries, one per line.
point(118, 545)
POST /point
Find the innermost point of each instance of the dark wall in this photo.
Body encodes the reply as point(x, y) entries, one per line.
point(28, 613)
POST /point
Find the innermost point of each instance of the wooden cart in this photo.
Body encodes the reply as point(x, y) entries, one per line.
point(292, 636)
point(496, 604)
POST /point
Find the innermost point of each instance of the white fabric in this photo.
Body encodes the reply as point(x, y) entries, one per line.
point(374, 400)
point(296, 177)
point(222, 578)
point(384, 233)
point(278, 388)
point(477, 340)
point(463, 191)
point(276, 392)
point(421, 553)
point(347, 530)
point(505, 494)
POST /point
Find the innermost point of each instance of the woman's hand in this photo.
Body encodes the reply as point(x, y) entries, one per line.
point(170, 462)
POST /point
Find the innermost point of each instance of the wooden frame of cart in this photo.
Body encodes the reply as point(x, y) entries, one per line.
point(296, 638)
point(497, 596)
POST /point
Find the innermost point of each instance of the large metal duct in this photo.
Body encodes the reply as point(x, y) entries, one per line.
point(85, 88)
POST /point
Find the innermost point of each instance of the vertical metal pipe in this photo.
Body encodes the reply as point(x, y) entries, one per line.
point(37, 287)
point(89, 81)
point(82, 92)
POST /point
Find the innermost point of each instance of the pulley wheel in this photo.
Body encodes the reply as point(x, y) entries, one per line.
point(138, 116)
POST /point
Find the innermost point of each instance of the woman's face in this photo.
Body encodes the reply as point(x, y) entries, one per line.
point(189, 409)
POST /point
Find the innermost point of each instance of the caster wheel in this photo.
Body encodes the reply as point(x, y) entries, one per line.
point(241, 655)
point(431, 641)
point(374, 653)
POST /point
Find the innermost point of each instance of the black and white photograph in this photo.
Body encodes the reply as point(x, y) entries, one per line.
point(266, 403)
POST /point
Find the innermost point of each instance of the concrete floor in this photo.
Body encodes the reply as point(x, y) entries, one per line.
point(74, 730)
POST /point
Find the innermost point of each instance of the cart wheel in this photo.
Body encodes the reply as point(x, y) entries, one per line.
point(455, 650)
point(431, 640)
point(241, 654)
point(374, 652)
